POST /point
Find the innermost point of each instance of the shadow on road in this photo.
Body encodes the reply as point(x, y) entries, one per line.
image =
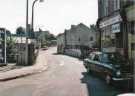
point(56, 54)
point(65, 55)
point(97, 87)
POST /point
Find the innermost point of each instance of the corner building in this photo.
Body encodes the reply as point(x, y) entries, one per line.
point(114, 27)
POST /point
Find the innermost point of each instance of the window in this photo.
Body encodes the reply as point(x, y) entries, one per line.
point(118, 4)
point(133, 46)
point(132, 28)
point(91, 38)
point(91, 56)
point(96, 58)
point(79, 39)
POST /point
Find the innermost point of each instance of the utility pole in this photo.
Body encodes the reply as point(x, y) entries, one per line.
point(5, 46)
point(27, 15)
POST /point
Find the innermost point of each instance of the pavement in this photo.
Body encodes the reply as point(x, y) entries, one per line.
point(39, 66)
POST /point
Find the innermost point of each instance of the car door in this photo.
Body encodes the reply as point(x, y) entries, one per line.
point(97, 64)
point(106, 67)
point(90, 62)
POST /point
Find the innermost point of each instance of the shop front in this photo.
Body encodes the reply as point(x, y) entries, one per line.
point(112, 34)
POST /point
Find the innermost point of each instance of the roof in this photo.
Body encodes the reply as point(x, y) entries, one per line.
point(60, 34)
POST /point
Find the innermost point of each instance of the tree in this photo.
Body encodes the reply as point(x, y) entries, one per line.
point(51, 37)
point(20, 31)
point(11, 49)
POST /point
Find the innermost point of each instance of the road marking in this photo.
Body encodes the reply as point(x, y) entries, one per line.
point(62, 63)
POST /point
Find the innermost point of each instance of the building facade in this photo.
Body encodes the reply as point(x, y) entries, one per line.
point(130, 14)
point(5, 51)
point(114, 27)
point(80, 35)
point(77, 40)
point(60, 43)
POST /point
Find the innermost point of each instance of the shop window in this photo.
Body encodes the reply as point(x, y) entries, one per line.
point(113, 42)
point(133, 46)
point(132, 27)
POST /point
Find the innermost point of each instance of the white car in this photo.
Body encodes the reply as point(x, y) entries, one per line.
point(127, 94)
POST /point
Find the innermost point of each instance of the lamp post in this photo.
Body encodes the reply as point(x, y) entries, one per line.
point(27, 29)
point(32, 21)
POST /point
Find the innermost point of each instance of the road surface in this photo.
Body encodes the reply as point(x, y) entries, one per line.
point(65, 76)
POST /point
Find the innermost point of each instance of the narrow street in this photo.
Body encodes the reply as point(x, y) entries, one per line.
point(65, 76)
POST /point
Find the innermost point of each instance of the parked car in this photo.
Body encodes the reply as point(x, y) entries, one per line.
point(111, 66)
point(127, 94)
point(44, 48)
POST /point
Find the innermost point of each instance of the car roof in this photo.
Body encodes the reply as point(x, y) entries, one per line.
point(97, 52)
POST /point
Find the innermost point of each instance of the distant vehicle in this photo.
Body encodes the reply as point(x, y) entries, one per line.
point(44, 48)
point(111, 66)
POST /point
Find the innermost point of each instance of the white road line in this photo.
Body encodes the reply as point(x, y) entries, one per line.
point(61, 63)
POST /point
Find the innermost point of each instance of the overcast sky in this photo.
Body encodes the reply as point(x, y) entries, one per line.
point(52, 15)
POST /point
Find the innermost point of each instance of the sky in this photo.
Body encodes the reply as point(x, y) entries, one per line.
point(52, 15)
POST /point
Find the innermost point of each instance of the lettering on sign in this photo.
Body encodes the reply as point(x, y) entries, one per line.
point(111, 21)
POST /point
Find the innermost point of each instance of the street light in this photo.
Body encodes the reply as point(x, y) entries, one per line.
point(32, 21)
point(27, 29)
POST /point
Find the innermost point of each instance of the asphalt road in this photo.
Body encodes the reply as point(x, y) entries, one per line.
point(65, 76)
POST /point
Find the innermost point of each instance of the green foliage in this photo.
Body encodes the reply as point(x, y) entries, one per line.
point(45, 37)
point(11, 49)
point(20, 31)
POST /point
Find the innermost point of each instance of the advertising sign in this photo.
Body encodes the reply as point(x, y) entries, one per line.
point(111, 21)
point(116, 28)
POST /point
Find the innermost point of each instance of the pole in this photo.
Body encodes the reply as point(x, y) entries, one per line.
point(26, 57)
point(134, 73)
point(5, 46)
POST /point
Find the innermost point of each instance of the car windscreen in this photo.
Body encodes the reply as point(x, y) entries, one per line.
point(112, 58)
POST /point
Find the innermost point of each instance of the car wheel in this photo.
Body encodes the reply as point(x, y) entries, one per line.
point(108, 79)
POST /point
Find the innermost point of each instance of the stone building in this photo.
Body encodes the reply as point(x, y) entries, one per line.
point(78, 40)
point(80, 35)
point(60, 43)
point(114, 28)
point(130, 14)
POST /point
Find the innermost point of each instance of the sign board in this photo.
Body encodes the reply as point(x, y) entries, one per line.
point(110, 21)
point(116, 28)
